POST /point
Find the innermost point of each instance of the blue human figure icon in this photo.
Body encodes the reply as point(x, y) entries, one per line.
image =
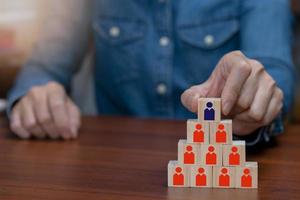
point(209, 111)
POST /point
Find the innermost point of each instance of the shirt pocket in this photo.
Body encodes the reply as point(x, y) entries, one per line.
point(209, 36)
point(118, 49)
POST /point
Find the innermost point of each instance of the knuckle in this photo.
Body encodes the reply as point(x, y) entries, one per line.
point(54, 86)
point(57, 105)
point(44, 119)
point(270, 82)
point(258, 68)
point(244, 67)
point(244, 102)
point(237, 53)
point(29, 124)
point(34, 91)
point(280, 95)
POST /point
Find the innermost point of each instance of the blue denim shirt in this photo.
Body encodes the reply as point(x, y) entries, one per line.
point(149, 51)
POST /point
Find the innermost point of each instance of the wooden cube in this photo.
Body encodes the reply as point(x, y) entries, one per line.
point(197, 131)
point(223, 177)
point(188, 153)
point(211, 154)
point(234, 154)
point(221, 132)
point(178, 174)
point(247, 176)
point(209, 109)
point(201, 176)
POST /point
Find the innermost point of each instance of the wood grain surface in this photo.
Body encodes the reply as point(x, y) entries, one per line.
point(126, 158)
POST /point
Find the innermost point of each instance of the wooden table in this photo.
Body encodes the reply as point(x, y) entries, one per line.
point(125, 158)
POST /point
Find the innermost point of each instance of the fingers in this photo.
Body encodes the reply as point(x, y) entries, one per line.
point(57, 106)
point(274, 107)
point(245, 123)
point(43, 114)
point(236, 71)
point(16, 125)
point(46, 111)
point(262, 98)
point(249, 88)
point(74, 118)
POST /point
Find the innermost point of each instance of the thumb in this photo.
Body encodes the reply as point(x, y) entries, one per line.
point(189, 97)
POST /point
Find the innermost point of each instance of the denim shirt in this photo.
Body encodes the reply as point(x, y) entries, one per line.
point(147, 52)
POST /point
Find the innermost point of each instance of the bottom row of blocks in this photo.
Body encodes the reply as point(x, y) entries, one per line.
point(180, 175)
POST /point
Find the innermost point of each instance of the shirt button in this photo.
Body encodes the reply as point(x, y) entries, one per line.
point(161, 89)
point(209, 40)
point(114, 31)
point(164, 41)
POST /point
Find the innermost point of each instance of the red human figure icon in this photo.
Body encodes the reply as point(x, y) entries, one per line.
point(221, 134)
point(201, 177)
point(224, 179)
point(189, 156)
point(234, 156)
point(211, 156)
point(198, 135)
point(246, 179)
point(178, 177)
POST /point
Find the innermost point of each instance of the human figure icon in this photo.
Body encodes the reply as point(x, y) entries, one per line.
point(221, 134)
point(234, 156)
point(189, 156)
point(198, 135)
point(211, 156)
point(201, 177)
point(209, 111)
point(246, 179)
point(178, 177)
point(224, 178)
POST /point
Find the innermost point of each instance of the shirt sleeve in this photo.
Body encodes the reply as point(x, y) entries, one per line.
point(60, 49)
point(266, 35)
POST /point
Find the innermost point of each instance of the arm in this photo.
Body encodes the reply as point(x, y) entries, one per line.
point(252, 86)
point(56, 57)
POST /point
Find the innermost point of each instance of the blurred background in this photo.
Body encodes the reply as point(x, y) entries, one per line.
point(20, 22)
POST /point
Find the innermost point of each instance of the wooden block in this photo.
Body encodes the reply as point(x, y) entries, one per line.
point(221, 132)
point(197, 131)
point(247, 176)
point(188, 153)
point(223, 177)
point(178, 174)
point(209, 109)
point(235, 154)
point(211, 154)
point(201, 176)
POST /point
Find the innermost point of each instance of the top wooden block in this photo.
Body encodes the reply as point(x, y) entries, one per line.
point(209, 109)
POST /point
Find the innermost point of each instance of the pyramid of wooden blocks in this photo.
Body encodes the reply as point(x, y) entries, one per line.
point(209, 158)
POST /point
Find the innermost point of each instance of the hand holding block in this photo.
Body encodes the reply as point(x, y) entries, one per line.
point(209, 109)
point(188, 153)
point(235, 154)
point(197, 132)
point(178, 174)
point(246, 176)
point(201, 176)
point(223, 177)
point(211, 154)
point(221, 132)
